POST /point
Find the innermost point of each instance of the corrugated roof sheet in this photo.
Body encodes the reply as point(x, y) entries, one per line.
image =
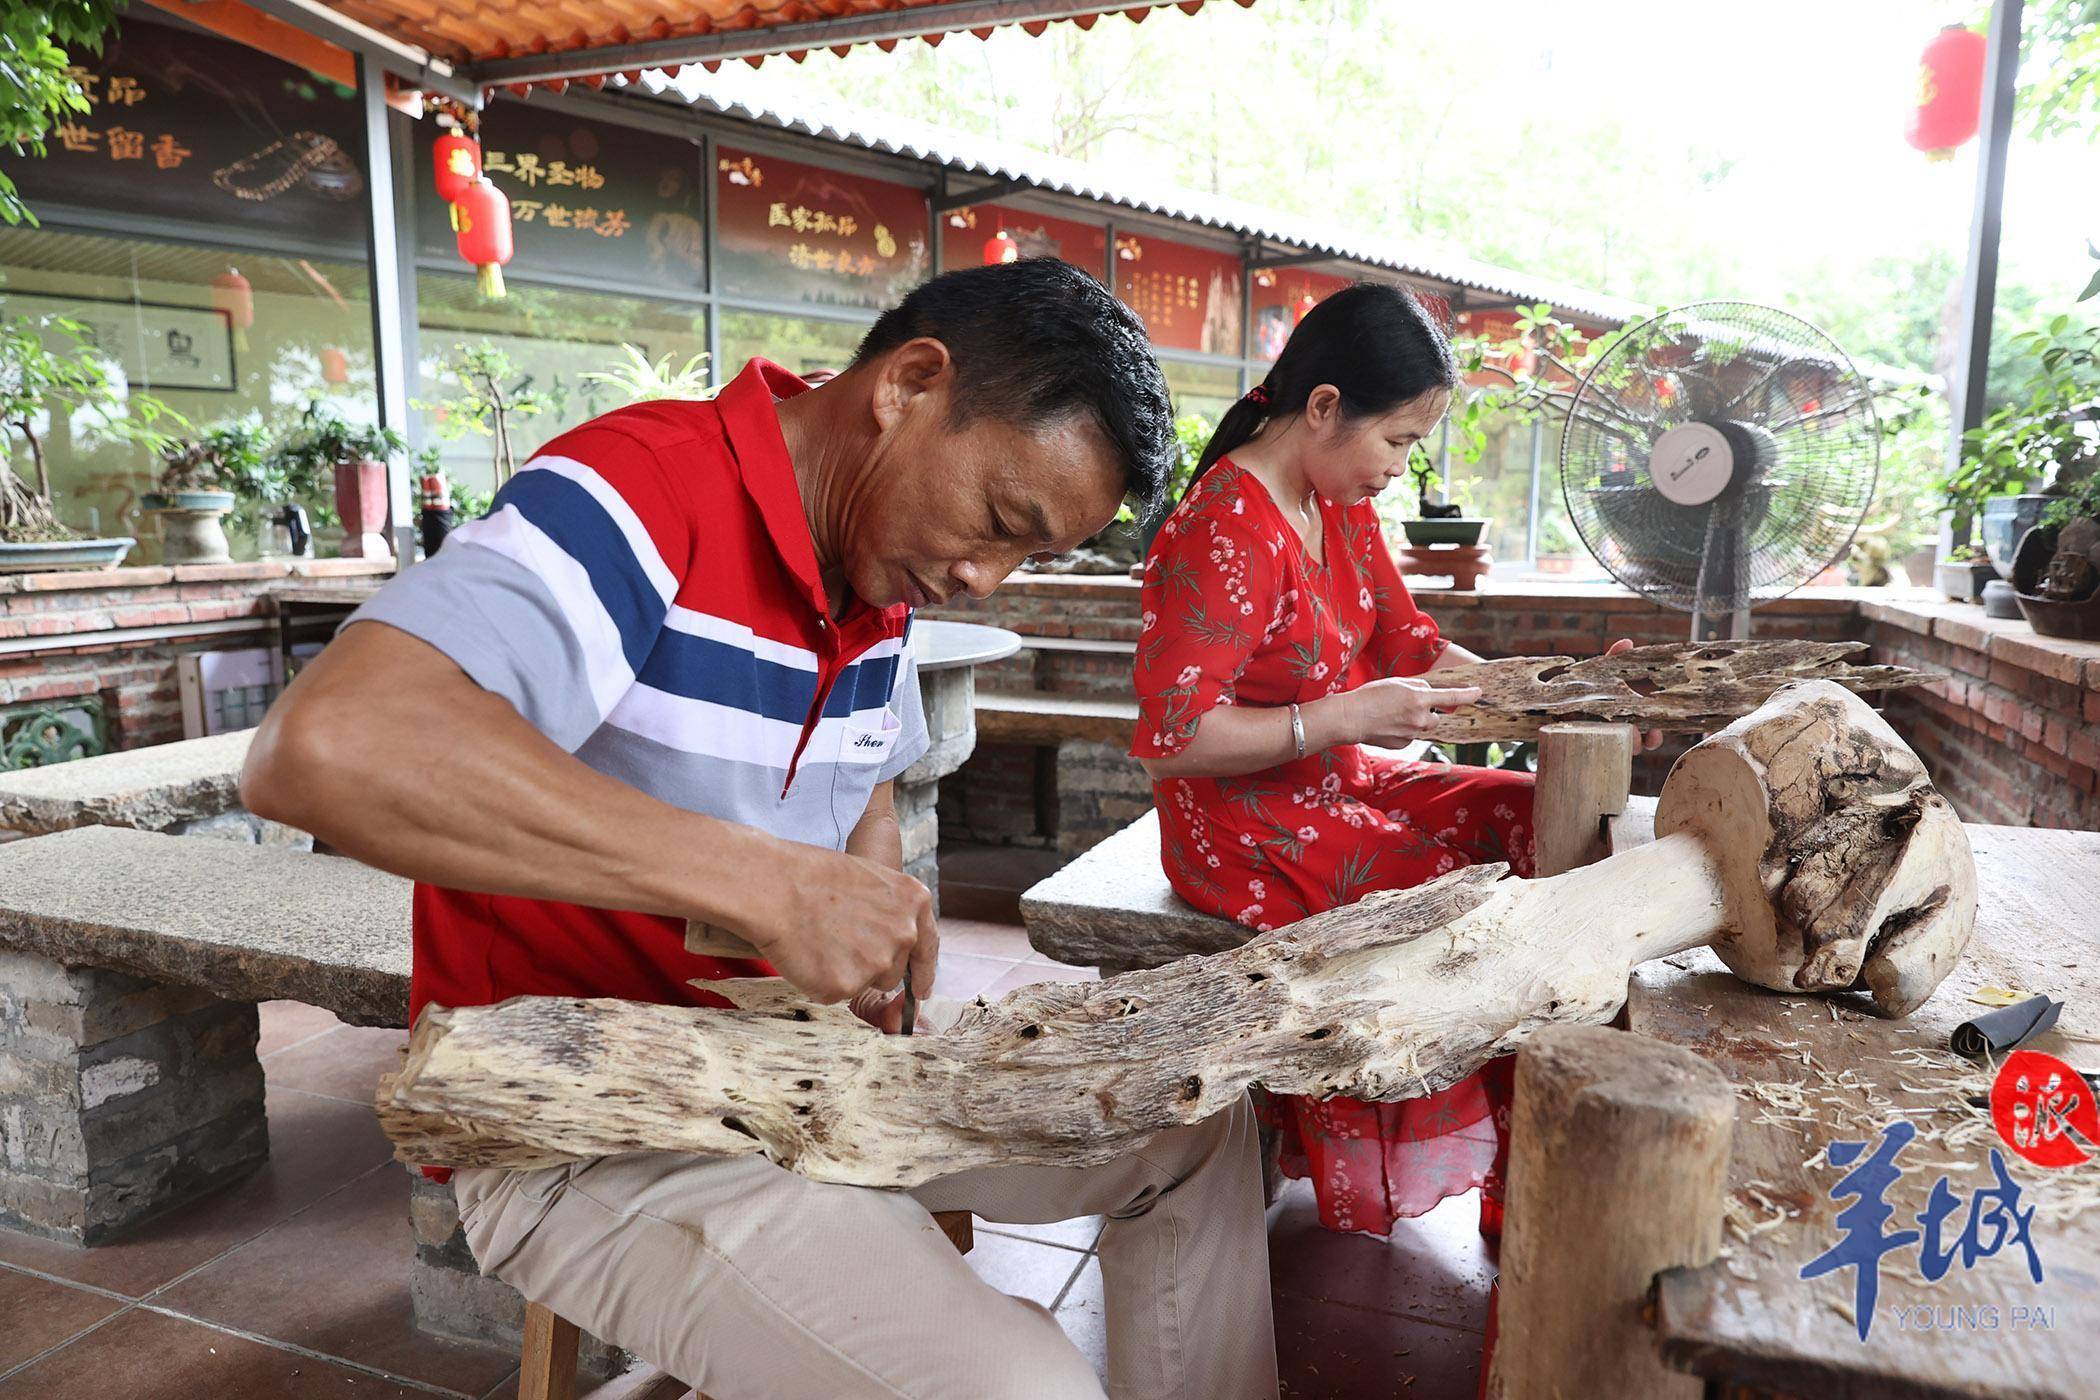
point(554, 41)
point(966, 154)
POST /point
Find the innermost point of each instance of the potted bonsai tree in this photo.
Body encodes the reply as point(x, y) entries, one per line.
point(37, 386)
point(196, 489)
point(354, 457)
point(2029, 446)
point(2056, 570)
point(1445, 523)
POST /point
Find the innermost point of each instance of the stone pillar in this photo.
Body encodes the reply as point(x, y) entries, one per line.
point(455, 1300)
point(1100, 790)
point(119, 1097)
point(949, 697)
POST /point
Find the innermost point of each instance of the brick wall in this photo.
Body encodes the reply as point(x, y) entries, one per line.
point(2013, 734)
point(2014, 737)
point(62, 633)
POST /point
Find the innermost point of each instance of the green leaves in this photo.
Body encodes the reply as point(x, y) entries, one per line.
point(38, 42)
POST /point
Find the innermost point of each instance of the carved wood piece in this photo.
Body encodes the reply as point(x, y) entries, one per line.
point(1678, 687)
point(1394, 997)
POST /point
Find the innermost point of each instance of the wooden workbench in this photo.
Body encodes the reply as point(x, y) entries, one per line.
point(1749, 1319)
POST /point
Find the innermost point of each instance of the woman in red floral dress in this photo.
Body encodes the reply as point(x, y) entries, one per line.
point(1278, 641)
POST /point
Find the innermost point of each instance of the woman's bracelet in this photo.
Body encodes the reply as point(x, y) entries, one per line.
point(1297, 729)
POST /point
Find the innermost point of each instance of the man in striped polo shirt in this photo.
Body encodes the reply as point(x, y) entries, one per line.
point(669, 677)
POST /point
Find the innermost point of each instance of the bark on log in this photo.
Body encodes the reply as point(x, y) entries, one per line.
point(1678, 687)
point(1396, 996)
point(1638, 1133)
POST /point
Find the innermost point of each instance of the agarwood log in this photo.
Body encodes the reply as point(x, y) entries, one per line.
point(1677, 687)
point(1394, 997)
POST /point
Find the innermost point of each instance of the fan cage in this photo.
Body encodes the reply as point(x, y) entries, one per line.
point(1787, 397)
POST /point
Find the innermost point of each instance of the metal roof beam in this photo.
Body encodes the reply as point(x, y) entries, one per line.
point(722, 45)
point(1272, 261)
point(982, 194)
point(416, 67)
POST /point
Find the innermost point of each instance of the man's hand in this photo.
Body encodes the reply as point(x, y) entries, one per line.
point(1398, 710)
point(1649, 738)
point(847, 926)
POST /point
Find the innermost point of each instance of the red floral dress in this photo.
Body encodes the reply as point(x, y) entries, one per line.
point(1237, 612)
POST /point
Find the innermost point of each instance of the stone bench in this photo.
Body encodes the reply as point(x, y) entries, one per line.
point(1044, 718)
point(1113, 909)
point(131, 964)
point(190, 787)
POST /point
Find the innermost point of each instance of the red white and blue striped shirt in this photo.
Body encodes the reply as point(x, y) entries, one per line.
point(645, 591)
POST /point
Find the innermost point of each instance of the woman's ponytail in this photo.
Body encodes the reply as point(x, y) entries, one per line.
point(1375, 343)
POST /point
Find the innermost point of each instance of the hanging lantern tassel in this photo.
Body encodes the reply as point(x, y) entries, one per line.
point(455, 164)
point(231, 294)
point(481, 226)
point(1950, 92)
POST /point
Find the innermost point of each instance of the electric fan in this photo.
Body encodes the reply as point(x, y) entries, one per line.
point(1719, 455)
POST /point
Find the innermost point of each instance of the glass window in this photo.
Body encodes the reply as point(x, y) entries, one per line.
point(214, 334)
point(790, 232)
point(620, 204)
point(1282, 296)
point(1200, 388)
point(553, 338)
point(798, 343)
point(1189, 297)
point(1498, 486)
point(990, 233)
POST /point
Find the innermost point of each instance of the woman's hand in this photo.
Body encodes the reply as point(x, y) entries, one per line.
point(1649, 738)
point(1399, 709)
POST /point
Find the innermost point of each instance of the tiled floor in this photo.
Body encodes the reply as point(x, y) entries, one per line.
point(293, 1283)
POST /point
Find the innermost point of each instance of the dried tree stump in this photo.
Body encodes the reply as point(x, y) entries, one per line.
point(1804, 843)
point(1585, 775)
point(1618, 1170)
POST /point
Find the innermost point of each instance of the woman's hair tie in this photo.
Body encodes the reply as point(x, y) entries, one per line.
point(1258, 396)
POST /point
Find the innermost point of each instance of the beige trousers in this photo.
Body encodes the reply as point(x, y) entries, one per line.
point(749, 1282)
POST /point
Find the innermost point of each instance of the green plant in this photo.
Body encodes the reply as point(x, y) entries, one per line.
point(2080, 502)
point(1968, 554)
point(2041, 436)
point(38, 384)
point(491, 394)
point(640, 378)
point(37, 87)
point(302, 466)
point(226, 456)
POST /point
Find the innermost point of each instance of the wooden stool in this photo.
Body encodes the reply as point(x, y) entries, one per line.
point(547, 1361)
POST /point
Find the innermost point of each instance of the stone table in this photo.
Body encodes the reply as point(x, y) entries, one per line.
point(191, 786)
point(949, 654)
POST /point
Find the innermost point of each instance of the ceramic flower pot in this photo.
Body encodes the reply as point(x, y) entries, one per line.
point(360, 499)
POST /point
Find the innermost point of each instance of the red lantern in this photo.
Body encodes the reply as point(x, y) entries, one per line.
point(231, 294)
point(456, 163)
point(1950, 92)
point(1000, 248)
point(1303, 305)
point(481, 226)
point(335, 365)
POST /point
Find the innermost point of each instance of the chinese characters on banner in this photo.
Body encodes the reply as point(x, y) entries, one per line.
point(1188, 298)
point(189, 127)
point(586, 199)
point(794, 232)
